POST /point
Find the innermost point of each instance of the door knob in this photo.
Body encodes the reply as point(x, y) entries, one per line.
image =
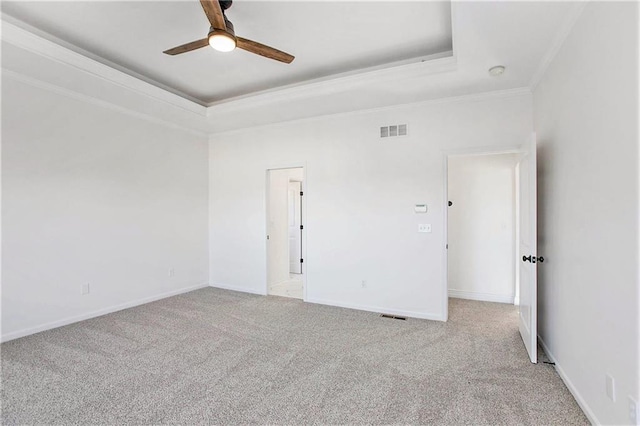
point(532, 259)
point(526, 258)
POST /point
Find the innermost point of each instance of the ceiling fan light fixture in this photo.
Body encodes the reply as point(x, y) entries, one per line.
point(221, 41)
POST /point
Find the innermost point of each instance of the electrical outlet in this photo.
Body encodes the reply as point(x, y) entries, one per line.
point(611, 388)
point(633, 410)
point(424, 227)
point(84, 289)
point(364, 284)
point(172, 273)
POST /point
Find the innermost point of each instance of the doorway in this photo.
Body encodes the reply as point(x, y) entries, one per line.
point(525, 260)
point(482, 227)
point(285, 232)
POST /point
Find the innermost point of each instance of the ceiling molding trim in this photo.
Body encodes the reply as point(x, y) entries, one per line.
point(24, 39)
point(454, 28)
point(433, 64)
point(558, 42)
point(33, 82)
point(475, 97)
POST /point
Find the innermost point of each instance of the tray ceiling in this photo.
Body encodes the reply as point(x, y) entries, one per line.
point(326, 37)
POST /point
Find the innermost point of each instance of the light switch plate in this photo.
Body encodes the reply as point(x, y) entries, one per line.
point(424, 227)
point(611, 388)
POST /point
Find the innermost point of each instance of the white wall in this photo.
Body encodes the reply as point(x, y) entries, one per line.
point(360, 196)
point(481, 224)
point(91, 195)
point(586, 116)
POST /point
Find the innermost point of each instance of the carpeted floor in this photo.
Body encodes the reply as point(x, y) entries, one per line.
point(220, 357)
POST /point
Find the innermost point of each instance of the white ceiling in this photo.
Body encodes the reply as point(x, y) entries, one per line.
point(326, 37)
point(519, 35)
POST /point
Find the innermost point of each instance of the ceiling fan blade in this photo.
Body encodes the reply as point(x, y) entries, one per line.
point(188, 47)
point(214, 13)
point(264, 50)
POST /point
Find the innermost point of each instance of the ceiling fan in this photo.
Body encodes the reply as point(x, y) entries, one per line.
point(222, 37)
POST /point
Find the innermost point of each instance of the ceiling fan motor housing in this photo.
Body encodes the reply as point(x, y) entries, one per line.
point(229, 30)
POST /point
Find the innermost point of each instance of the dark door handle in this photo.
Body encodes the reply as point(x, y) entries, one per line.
point(532, 259)
point(526, 258)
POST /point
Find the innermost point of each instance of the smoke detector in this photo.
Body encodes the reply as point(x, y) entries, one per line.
point(496, 71)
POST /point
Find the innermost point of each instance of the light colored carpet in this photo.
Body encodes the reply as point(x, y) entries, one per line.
point(220, 357)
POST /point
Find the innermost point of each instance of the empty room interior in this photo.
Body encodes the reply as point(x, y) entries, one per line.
point(320, 212)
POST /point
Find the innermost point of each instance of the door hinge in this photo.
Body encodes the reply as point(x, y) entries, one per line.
point(301, 227)
point(301, 193)
point(301, 260)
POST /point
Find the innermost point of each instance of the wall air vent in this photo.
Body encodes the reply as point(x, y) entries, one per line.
point(394, 130)
point(393, 317)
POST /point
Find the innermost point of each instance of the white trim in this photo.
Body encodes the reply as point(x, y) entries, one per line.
point(454, 29)
point(14, 33)
point(562, 34)
point(483, 150)
point(474, 97)
point(569, 384)
point(415, 67)
point(98, 313)
point(378, 309)
point(95, 101)
point(445, 240)
point(238, 289)
point(485, 297)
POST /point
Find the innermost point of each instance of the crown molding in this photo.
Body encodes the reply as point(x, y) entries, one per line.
point(429, 65)
point(33, 82)
point(558, 41)
point(474, 97)
point(20, 37)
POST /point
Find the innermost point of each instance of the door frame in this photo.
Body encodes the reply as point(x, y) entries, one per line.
point(303, 206)
point(297, 230)
point(487, 150)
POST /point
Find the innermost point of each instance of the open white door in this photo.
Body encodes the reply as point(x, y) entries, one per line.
point(295, 252)
point(528, 315)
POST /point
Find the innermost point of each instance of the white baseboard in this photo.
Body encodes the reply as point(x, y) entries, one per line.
point(485, 297)
point(240, 289)
point(381, 310)
point(399, 312)
point(569, 384)
point(93, 314)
